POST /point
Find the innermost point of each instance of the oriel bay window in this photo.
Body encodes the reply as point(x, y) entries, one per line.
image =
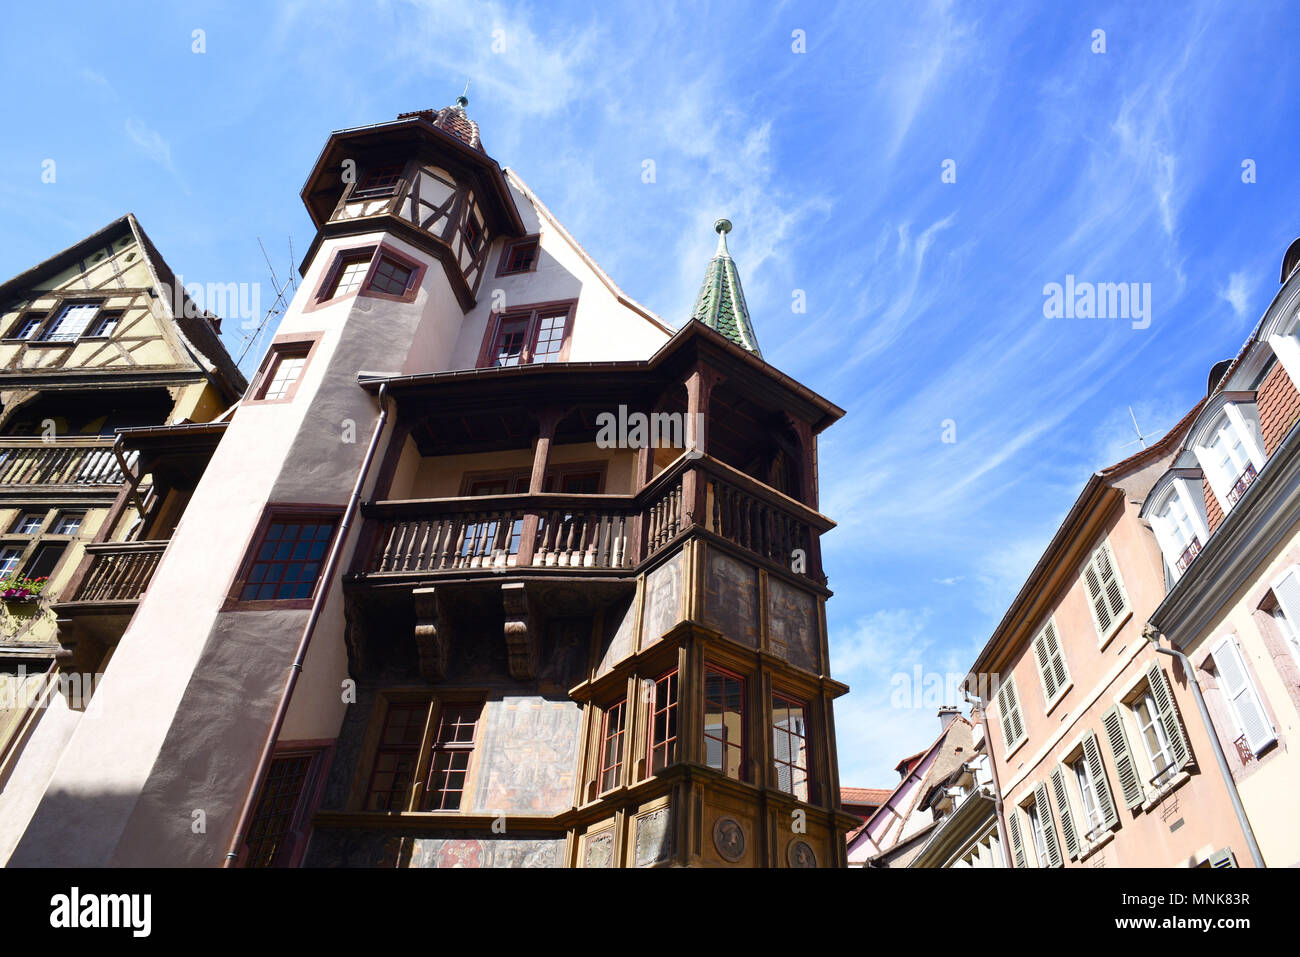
point(528, 335)
point(724, 722)
point(380, 272)
point(284, 564)
point(428, 742)
point(790, 745)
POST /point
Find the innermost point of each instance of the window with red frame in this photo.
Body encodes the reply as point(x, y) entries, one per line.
point(663, 723)
point(284, 371)
point(724, 722)
point(611, 747)
point(287, 560)
point(391, 277)
point(377, 181)
point(519, 256)
point(271, 836)
point(396, 757)
point(531, 336)
point(473, 233)
point(452, 748)
point(349, 274)
point(790, 745)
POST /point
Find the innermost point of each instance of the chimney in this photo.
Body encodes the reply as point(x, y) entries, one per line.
point(947, 714)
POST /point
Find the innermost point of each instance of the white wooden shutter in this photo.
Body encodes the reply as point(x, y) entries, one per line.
point(1017, 843)
point(1063, 811)
point(1287, 592)
point(1051, 661)
point(1013, 726)
point(1045, 666)
point(1106, 594)
point(1049, 827)
point(1100, 786)
point(1130, 782)
point(1243, 698)
point(1181, 752)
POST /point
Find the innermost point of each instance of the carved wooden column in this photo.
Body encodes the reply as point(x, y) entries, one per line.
point(699, 390)
point(547, 421)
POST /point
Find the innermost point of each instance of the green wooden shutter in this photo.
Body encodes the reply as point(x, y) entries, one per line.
point(1130, 783)
point(1063, 809)
point(1164, 700)
point(1049, 826)
point(1017, 845)
point(1100, 786)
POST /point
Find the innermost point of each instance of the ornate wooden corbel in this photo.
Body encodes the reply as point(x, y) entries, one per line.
point(522, 630)
point(432, 633)
point(354, 634)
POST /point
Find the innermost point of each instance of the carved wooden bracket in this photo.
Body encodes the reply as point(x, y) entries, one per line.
point(354, 634)
point(522, 630)
point(432, 633)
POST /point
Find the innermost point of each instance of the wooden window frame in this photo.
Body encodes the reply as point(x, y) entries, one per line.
point(671, 746)
point(503, 264)
point(620, 767)
point(556, 471)
point(298, 824)
point(433, 708)
point(376, 252)
point(289, 342)
point(272, 513)
point(743, 746)
point(356, 188)
point(532, 311)
point(806, 738)
point(51, 322)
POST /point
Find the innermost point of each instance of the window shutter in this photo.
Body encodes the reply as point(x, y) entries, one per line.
point(1049, 827)
point(1097, 598)
point(1242, 697)
point(1017, 845)
point(1063, 809)
point(1112, 586)
point(1100, 786)
point(1287, 593)
point(1045, 665)
point(1056, 655)
point(1130, 784)
point(1013, 728)
point(1164, 700)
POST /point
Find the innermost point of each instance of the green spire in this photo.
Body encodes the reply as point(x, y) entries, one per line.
point(721, 303)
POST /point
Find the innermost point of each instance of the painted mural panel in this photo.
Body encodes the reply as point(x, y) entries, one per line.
point(731, 598)
point(620, 634)
point(598, 849)
point(663, 602)
point(792, 624)
point(487, 852)
point(529, 756)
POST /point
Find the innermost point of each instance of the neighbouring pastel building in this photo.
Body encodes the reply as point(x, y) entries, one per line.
point(550, 567)
point(110, 379)
point(895, 833)
point(1227, 515)
point(1098, 751)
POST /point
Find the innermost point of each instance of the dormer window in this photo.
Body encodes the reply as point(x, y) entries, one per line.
point(26, 327)
point(527, 336)
point(378, 181)
point(1230, 454)
point(1177, 514)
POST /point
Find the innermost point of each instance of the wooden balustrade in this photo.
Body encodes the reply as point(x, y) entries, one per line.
point(71, 462)
point(591, 531)
point(119, 571)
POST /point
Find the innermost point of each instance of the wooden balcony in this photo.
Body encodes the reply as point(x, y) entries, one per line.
point(119, 571)
point(597, 533)
point(73, 460)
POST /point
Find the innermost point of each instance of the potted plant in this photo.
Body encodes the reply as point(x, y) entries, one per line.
point(18, 588)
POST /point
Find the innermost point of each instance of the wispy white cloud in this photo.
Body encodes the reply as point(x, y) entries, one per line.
point(1237, 292)
point(151, 143)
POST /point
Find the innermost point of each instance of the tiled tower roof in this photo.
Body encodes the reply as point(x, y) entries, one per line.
point(721, 303)
point(454, 120)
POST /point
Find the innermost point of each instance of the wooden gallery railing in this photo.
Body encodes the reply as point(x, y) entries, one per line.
point(590, 531)
point(119, 571)
point(70, 460)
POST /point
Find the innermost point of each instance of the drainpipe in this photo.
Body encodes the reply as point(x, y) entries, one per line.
point(317, 605)
point(997, 785)
point(1152, 635)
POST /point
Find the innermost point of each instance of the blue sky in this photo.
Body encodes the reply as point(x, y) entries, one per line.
point(924, 298)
